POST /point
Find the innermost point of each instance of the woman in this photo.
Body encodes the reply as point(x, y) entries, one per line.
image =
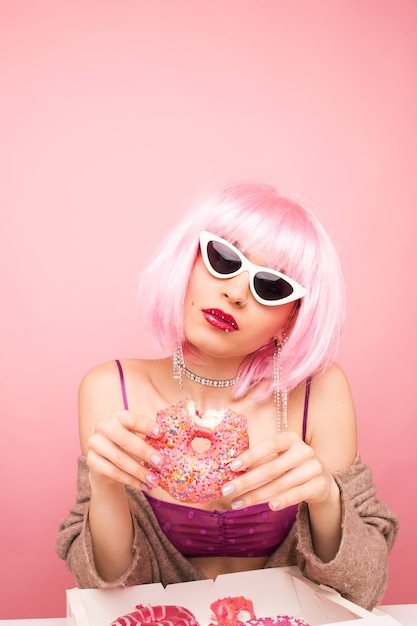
point(246, 297)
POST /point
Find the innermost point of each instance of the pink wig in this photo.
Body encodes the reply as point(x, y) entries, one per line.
point(290, 239)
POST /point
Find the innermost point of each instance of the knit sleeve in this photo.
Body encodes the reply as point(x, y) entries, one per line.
point(154, 558)
point(74, 543)
point(359, 570)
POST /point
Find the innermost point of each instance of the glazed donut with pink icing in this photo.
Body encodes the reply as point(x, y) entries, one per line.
point(197, 450)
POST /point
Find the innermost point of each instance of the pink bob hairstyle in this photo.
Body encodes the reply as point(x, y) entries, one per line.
point(288, 238)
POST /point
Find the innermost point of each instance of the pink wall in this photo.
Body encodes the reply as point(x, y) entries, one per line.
point(113, 114)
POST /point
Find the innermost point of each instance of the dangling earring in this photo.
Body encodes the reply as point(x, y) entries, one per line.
point(280, 395)
point(177, 365)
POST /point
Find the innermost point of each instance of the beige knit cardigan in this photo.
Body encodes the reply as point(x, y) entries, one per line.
point(359, 570)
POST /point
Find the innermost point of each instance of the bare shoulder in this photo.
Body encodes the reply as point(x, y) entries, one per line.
point(99, 395)
point(104, 381)
point(332, 419)
point(333, 381)
point(101, 382)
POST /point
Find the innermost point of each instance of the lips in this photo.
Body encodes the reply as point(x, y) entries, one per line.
point(221, 320)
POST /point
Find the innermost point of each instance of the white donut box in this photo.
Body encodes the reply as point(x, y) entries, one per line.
point(276, 591)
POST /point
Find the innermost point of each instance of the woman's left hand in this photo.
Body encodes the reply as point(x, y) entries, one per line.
point(280, 470)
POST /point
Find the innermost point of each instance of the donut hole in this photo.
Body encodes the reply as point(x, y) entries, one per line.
point(200, 444)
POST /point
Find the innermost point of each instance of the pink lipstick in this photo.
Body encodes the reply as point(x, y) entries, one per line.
point(221, 320)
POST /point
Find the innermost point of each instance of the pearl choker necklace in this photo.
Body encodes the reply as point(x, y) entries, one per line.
point(179, 369)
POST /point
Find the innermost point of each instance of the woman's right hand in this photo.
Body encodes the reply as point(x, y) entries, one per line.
point(117, 451)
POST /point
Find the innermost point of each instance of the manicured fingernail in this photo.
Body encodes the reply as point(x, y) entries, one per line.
point(151, 479)
point(236, 465)
point(274, 506)
point(227, 490)
point(237, 504)
point(155, 460)
point(156, 431)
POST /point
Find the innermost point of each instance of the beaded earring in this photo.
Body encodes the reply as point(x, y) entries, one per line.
point(177, 362)
point(280, 394)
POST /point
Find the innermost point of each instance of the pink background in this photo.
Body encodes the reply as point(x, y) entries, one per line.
point(113, 115)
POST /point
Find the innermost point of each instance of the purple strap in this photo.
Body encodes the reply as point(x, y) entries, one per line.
point(306, 399)
point(122, 384)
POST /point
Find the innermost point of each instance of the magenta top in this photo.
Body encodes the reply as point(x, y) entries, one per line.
point(249, 532)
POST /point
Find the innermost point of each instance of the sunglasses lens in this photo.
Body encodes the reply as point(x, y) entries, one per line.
point(271, 287)
point(222, 259)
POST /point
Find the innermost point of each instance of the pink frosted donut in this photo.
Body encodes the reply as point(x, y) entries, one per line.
point(238, 611)
point(279, 620)
point(194, 471)
point(157, 616)
point(232, 611)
